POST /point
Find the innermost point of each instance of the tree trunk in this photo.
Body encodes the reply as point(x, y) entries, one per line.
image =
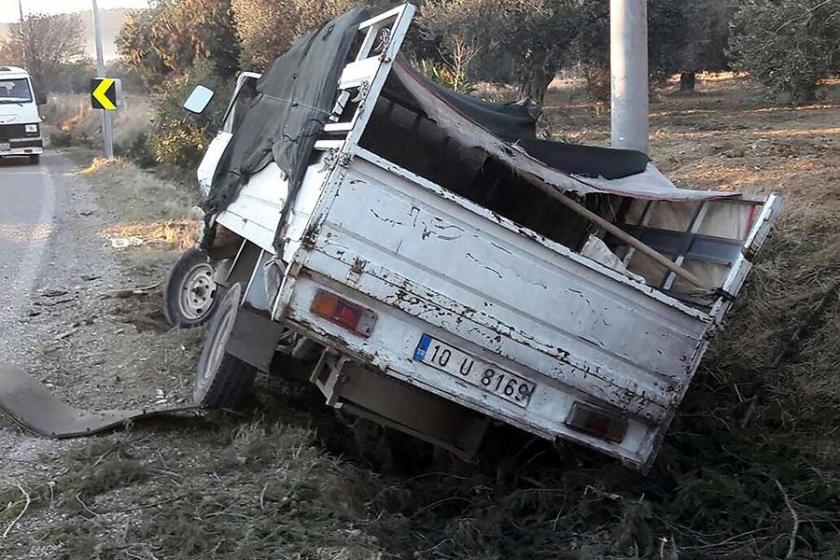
point(597, 77)
point(535, 84)
point(540, 73)
point(687, 81)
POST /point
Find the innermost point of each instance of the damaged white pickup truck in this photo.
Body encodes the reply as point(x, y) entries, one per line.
point(448, 268)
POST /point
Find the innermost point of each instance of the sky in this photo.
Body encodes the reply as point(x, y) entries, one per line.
point(9, 8)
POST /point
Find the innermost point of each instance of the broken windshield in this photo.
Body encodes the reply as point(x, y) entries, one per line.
point(15, 91)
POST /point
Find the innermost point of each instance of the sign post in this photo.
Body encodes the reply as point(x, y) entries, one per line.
point(107, 125)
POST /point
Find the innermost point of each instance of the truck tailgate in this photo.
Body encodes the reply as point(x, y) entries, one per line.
point(433, 267)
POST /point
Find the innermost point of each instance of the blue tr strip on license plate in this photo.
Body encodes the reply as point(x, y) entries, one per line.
point(422, 348)
point(466, 367)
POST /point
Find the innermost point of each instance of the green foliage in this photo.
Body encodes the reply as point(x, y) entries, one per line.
point(788, 45)
point(706, 37)
point(132, 81)
point(60, 139)
point(178, 143)
point(683, 36)
point(73, 76)
point(528, 41)
point(592, 42)
point(268, 27)
point(136, 148)
point(591, 49)
point(138, 43)
point(180, 138)
point(525, 41)
point(687, 36)
point(169, 37)
point(447, 75)
point(668, 36)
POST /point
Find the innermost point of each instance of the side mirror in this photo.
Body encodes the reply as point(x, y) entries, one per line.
point(41, 99)
point(199, 99)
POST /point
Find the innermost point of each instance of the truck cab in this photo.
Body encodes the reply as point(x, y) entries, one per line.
point(20, 122)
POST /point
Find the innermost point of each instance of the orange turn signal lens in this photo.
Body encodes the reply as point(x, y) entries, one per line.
point(344, 313)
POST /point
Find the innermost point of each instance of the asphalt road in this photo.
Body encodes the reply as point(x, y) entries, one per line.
point(32, 199)
point(56, 261)
point(54, 254)
point(27, 216)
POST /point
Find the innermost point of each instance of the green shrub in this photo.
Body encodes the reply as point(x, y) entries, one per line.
point(268, 27)
point(179, 144)
point(60, 139)
point(447, 76)
point(136, 148)
point(180, 138)
point(788, 45)
point(133, 126)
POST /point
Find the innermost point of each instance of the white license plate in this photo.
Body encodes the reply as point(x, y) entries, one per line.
point(489, 377)
point(5, 147)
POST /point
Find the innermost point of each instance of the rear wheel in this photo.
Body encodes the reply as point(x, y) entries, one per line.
point(191, 294)
point(223, 380)
point(35, 159)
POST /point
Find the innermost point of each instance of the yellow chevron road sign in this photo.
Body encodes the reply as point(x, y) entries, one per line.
point(104, 93)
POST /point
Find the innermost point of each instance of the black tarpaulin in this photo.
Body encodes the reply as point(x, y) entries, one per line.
point(294, 99)
point(586, 161)
point(516, 123)
point(506, 120)
point(568, 168)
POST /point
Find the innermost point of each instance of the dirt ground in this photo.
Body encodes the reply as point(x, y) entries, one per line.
point(749, 470)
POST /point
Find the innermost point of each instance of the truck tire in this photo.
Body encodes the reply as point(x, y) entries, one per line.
point(35, 159)
point(190, 295)
point(222, 380)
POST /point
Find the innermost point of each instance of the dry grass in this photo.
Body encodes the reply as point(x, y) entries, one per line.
point(174, 235)
point(139, 196)
point(73, 114)
point(158, 211)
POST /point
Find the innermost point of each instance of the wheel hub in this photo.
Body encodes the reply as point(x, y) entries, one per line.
point(198, 290)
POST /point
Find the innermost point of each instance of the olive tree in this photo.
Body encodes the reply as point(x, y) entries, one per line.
point(788, 45)
point(268, 27)
point(172, 35)
point(686, 37)
point(526, 41)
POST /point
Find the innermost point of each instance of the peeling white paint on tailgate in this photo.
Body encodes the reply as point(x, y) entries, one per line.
point(551, 316)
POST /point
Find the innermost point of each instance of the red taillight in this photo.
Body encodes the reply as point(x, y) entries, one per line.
point(344, 313)
point(597, 422)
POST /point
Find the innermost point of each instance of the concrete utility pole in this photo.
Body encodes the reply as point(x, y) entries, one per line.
point(107, 125)
point(629, 74)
